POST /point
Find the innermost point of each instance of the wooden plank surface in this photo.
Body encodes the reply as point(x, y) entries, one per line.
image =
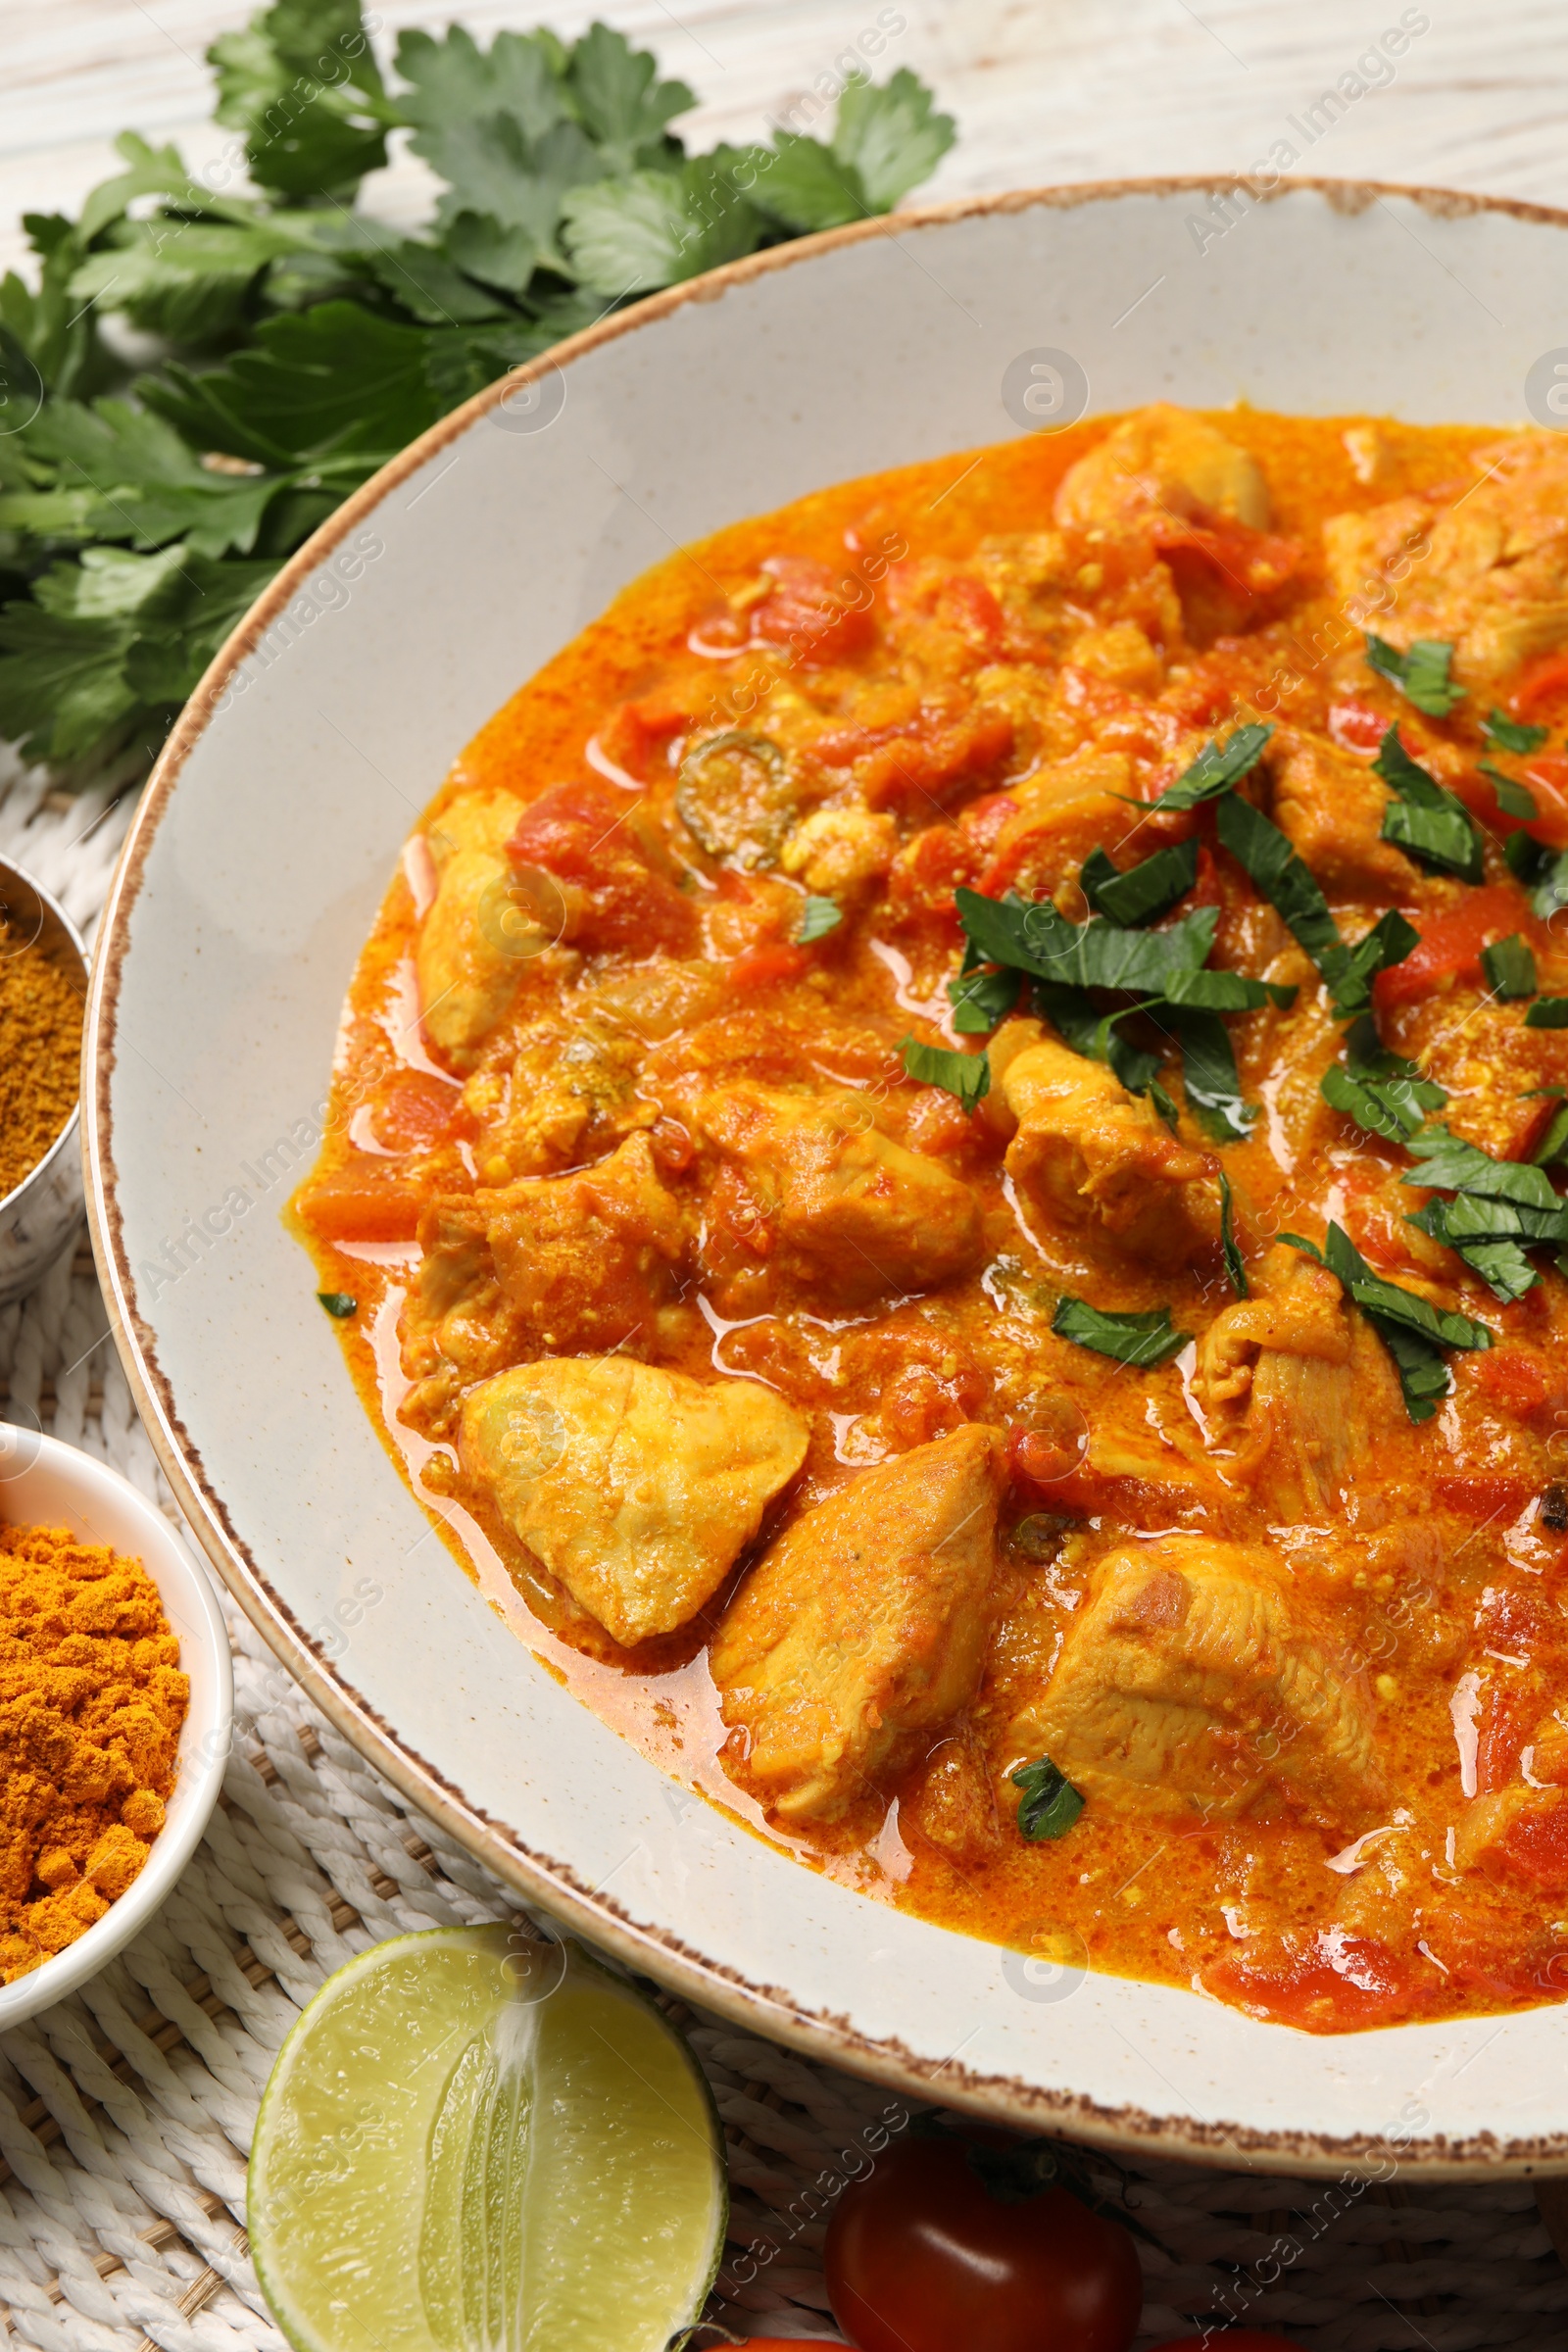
point(1043, 89)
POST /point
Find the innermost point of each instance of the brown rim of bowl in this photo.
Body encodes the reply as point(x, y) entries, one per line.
point(10, 871)
point(763, 2008)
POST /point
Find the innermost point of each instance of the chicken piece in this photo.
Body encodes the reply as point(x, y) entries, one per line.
point(1489, 574)
point(1198, 1679)
point(1090, 1152)
point(1330, 808)
point(863, 1627)
point(636, 1486)
point(576, 1263)
point(837, 1201)
point(841, 852)
point(1163, 456)
point(482, 925)
point(1288, 1390)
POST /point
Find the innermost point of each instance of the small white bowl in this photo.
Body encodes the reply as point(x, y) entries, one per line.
point(45, 1484)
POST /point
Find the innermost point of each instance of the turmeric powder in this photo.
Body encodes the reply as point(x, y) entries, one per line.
point(40, 1055)
point(91, 1704)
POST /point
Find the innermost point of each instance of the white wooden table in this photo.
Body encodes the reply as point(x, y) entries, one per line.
point(1043, 89)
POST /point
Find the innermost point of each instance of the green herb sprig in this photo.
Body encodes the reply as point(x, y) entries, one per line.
point(1415, 1333)
point(304, 343)
point(1049, 1804)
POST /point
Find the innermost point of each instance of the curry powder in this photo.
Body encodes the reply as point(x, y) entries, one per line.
point(40, 1055)
point(91, 1704)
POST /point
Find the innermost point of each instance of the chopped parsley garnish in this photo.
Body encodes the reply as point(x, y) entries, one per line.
point(1145, 891)
point(967, 1075)
point(1512, 734)
point(1145, 1340)
point(980, 998)
point(1502, 1208)
point(1234, 1265)
point(1510, 969)
point(1414, 1332)
point(1162, 970)
point(1542, 871)
point(1424, 818)
point(1218, 768)
point(1049, 1804)
point(818, 917)
point(1513, 798)
point(1548, 1012)
point(1554, 1142)
point(1378, 1089)
point(338, 1304)
point(1211, 1080)
point(1285, 879)
point(1421, 674)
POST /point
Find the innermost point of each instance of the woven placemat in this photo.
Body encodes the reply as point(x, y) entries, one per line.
point(127, 2111)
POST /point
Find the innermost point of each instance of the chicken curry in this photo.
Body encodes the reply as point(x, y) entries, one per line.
point(945, 1177)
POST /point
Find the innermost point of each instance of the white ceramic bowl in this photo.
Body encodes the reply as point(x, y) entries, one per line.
point(257, 862)
point(44, 1484)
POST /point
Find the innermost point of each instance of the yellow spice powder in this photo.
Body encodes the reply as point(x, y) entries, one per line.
point(91, 1704)
point(40, 1055)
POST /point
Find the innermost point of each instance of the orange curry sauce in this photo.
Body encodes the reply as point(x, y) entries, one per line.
point(972, 673)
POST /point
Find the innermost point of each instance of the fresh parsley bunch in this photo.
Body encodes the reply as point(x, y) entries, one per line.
point(199, 377)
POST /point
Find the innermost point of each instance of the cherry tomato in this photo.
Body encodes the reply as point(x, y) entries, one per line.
point(1234, 2339)
point(921, 2258)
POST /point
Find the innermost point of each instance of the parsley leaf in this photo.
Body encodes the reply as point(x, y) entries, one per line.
point(1414, 1332)
point(1218, 768)
point(1548, 1012)
point(1209, 1078)
point(310, 342)
point(302, 82)
point(890, 136)
point(1040, 940)
point(1380, 1089)
point(1513, 798)
point(1286, 880)
point(1452, 1166)
point(1510, 969)
point(967, 1075)
point(1501, 1208)
point(1424, 819)
point(339, 1303)
point(1049, 1804)
point(818, 917)
point(1145, 891)
point(654, 228)
point(1145, 1340)
point(980, 998)
point(1512, 734)
point(1543, 872)
point(1421, 674)
point(1235, 1264)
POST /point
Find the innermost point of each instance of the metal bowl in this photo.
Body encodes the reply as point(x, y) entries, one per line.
point(41, 1213)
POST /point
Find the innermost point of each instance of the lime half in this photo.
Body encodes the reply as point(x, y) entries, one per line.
point(475, 2143)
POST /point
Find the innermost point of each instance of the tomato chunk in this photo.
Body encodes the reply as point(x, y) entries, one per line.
point(1450, 946)
point(770, 967)
point(1330, 1982)
point(1514, 1379)
point(582, 834)
point(809, 611)
point(354, 1204)
point(1545, 681)
point(413, 1112)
